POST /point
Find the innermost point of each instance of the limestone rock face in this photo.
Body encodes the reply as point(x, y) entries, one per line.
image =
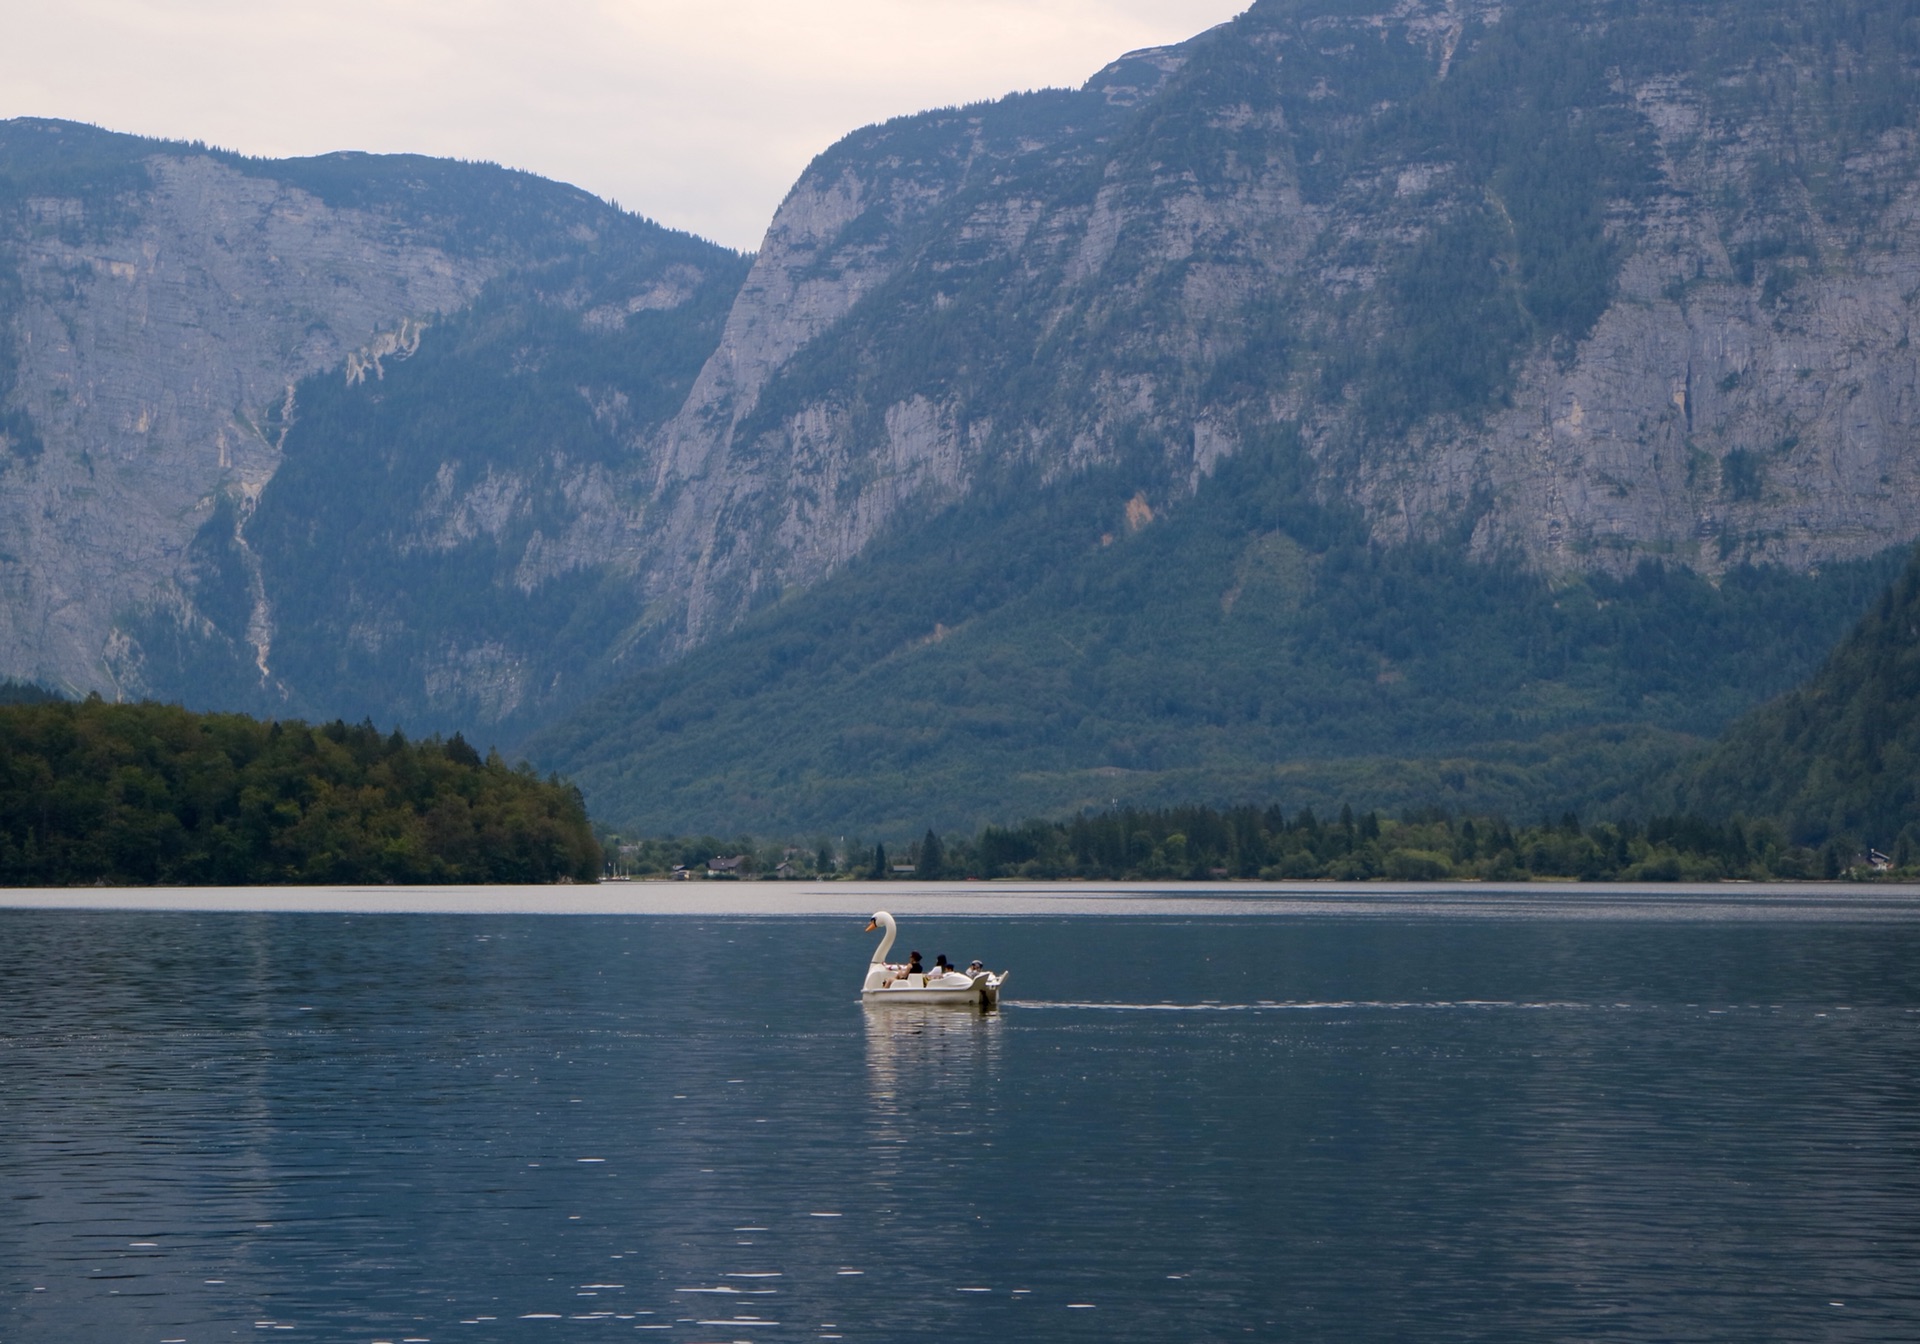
point(156, 362)
point(1719, 412)
point(1229, 236)
point(1586, 282)
point(172, 322)
point(916, 268)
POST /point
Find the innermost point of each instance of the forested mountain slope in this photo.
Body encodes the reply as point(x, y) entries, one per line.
point(1515, 389)
point(1339, 388)
point(1837, 758)
point(169, 317)
point(1035, 653)
point(455, 543)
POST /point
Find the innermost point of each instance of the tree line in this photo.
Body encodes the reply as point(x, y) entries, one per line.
point(1198, 843)
point(92, 792)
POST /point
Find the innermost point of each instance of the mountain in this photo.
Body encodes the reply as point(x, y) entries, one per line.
point(454, 543)
point(1008, 657)
point(1837, 758)
point(195, 404)
point(1340, 387)
point(1352, 400)
point(1586, 282)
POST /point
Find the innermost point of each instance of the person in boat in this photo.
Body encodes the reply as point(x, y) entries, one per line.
point(941, 966)
point(976, 967)
point(913, 964)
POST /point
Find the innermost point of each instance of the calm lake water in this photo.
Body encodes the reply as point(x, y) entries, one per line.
point(1592, 1117)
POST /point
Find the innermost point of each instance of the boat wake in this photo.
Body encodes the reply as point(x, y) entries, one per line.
point(1308, 1006)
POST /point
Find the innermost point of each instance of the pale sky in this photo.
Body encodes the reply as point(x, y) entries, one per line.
point(698, 113)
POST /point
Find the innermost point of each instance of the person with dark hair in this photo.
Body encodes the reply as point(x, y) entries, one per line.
point(913, 964)
point(941, 965)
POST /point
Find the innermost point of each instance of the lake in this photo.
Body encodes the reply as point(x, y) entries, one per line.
point(1202, 1114)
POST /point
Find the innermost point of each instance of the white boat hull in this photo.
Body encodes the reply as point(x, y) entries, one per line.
point(981, 991)
point(964, 997)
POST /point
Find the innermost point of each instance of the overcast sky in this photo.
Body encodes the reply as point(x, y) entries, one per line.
point(699, 113)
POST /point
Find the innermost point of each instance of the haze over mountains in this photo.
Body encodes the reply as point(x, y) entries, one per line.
point(1443, 402)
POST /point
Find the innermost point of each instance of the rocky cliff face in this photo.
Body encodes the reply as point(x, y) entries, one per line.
point(154, 370)
point(1588, 282)
point(1749, 392)
point(1582, 282)
point(164, 305)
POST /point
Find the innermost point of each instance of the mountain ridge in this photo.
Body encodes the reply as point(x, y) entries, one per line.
point(1654, 344)
point(1562, 307)
point(172, 318)
point(1536, 309)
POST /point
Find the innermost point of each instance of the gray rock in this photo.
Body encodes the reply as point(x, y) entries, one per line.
point(157, 364)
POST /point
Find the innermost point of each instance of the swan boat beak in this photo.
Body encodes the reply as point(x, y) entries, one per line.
point(872, 924)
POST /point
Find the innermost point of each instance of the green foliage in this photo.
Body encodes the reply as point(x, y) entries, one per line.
point(1839, 758)
point(508, 402)
point(464, 207)
point(64, 161)
point(1203, 843)
point(1539, 144)
point(1743, 474)
point(1188, 842)
point(26, 693)
point(150, 793)
point(998, 657)
point(1457, 324)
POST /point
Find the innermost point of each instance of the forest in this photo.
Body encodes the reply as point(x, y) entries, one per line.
point(1819, 783)
point(1207, 844)
point(1250, 645)
point(125, 794)
point(1837, 756)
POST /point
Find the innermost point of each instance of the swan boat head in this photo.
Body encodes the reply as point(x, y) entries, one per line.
point(888, 983)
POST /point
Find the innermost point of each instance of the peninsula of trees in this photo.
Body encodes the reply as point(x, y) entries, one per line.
point(154, 794)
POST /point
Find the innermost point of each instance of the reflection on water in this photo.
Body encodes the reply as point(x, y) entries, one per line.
point(933, 1075)
point(935, 1053)
point(513, 1128)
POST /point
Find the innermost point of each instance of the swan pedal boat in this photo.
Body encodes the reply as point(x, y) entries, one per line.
point(889, 983)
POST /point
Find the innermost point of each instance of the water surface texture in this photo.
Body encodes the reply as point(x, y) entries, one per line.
point(509, 1127)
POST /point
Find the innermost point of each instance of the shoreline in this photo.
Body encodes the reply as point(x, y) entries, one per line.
point(1716, 901)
